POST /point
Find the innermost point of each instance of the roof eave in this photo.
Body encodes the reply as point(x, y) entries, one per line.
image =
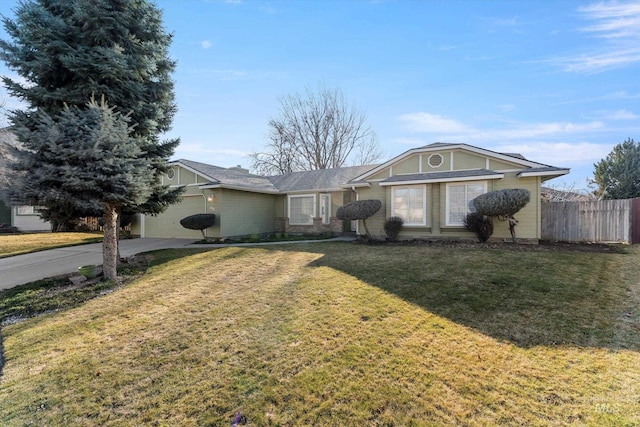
point(550, 174)
point(238, 188)
point(312, 190)
point(437, 180)
point(356, 185)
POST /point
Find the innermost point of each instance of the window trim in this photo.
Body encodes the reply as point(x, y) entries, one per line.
point(438, 155)
point(324, 197)
point(20, 210)
point(301, 196)
point(448, 199)
point(424, 204)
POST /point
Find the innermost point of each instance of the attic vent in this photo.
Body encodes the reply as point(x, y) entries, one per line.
point(171, 173)
point(435, 160)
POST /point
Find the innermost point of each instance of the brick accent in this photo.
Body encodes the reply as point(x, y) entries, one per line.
point(335, 226)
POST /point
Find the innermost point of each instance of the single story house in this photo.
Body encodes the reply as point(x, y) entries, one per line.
point(430, 187)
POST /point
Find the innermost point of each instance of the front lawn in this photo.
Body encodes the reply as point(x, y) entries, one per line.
point(16, 244)
point(341, 334)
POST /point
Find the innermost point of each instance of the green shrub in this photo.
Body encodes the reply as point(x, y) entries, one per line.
point(503, 204)
point(84, 228)
point(359, 209)
point(199, 222)
point(393, 226)
point(480, 224)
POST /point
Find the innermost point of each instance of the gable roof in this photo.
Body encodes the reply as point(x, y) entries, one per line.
point(219, 177)
point(317, 180)
point(530, 168)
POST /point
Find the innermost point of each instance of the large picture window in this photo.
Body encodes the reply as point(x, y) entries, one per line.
point(459, 200)
point(302, 209)
point(410, 204)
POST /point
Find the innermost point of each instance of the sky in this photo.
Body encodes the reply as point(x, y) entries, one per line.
point(556, 81)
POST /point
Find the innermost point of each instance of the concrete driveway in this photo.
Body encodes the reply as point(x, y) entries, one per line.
point(20, 269)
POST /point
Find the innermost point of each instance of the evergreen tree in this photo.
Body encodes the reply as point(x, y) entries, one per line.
point(67, 52)
point(87, 159)
point(618, 175)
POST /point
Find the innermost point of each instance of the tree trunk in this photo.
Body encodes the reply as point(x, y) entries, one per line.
point(110, 242)
point(512, 228)
point(366, 229)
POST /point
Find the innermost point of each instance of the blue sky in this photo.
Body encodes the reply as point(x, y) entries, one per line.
point(556, 81)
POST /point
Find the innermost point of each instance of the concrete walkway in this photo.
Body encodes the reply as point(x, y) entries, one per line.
point(21, 269)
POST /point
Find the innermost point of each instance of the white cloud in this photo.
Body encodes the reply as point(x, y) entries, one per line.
point(560, 153)
point(618, 24)
point(613, 19)
point(618, 115)
point(622, 94)
point(445, 128)
point(506, 107)
point(433, 123)
point(206, 44)
point(596, 63)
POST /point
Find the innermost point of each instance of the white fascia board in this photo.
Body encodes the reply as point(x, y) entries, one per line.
point(238, 188)
point(433, 181)
point(559, 172)
point(358, 185)
point(313, 190)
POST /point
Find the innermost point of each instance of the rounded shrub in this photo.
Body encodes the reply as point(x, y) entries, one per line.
point(393, 226)
point(479, 224)
point(199, 222)
point(359, 209)
point(502, 203)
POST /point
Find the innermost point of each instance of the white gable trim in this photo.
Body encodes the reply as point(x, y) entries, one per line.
point(451, 148)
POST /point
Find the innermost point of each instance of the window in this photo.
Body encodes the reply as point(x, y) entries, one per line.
point(459, 200)
point(171, 173)
point(302, 209)
point(325, 208)
point(25, 210)
point(410, 204)
point(435, 160)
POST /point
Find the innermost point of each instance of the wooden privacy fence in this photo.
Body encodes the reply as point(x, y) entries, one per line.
point(592, 221)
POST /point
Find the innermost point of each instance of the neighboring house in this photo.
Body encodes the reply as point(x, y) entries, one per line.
point(27, 219)
point(430, 187)
point(555, 195)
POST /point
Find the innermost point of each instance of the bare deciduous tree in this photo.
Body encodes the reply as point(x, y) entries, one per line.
point(316, 131)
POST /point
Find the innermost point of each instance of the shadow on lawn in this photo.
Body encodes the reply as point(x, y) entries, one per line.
point(529, 297)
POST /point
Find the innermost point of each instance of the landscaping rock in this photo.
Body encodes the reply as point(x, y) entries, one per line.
point(76, 280)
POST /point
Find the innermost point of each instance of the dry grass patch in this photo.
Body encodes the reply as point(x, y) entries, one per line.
point(16, 244)
point(339, 334)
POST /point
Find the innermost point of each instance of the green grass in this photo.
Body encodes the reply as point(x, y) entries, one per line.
point(16, 244)
point(341, 334)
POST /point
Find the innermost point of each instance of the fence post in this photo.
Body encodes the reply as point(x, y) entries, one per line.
point(635, 221)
